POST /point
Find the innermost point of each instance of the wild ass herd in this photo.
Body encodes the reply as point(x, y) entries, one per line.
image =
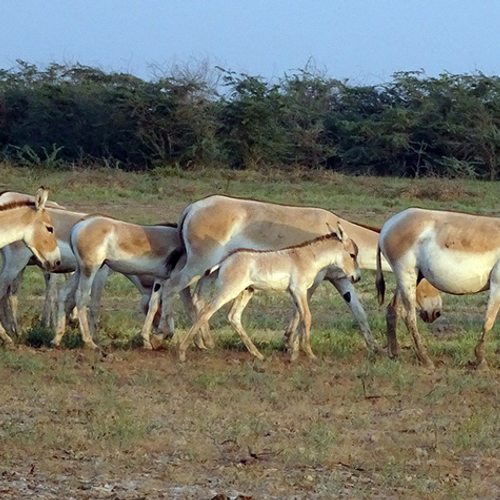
point(246, 245)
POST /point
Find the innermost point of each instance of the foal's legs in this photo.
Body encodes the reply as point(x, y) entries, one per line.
point(234, 316)
point(222, 297)
point(300, 300)
point(291, 331)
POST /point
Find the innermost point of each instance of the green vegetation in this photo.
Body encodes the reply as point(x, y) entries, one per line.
point(63, 116)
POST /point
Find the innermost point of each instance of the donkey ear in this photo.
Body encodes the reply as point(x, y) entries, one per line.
point(340, 233)
point(41, 198)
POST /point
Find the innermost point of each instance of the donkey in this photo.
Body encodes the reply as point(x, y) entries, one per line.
point(292, 269)
point(29, 222)
point(127, 248)
point(215, 226)
point(458, 253)
point(13, 258)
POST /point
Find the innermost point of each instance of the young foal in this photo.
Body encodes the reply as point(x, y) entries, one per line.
point(292, 269)
point(123, 247)
point(29, 222)
point(458, 253)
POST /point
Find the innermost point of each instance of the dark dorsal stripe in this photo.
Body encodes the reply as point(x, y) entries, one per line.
point(17, 204)
point(308, 243)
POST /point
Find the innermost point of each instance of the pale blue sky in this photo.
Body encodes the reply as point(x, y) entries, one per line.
point(366, 41)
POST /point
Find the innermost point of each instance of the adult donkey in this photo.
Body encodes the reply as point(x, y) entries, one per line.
point(215, 226)
point(29, 222)
point(458, 253)
point(127, 248)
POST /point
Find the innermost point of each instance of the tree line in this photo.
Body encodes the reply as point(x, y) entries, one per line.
point(64, 115)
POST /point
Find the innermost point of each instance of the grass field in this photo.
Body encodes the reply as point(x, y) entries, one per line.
point(130, 424)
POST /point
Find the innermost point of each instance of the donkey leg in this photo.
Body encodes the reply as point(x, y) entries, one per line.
point(10, 283)
point(291, 330)
point(221, 298)
point(66, 304)
point(187, 300)
point(154, 303)
point(50, 300)
point(95, 298)
point(302, 306)
point(491, 314)
point(83, 299)
point(200, 295)
point(234, 317)
point(348, 292)
point(407, 288)
point(392, 315)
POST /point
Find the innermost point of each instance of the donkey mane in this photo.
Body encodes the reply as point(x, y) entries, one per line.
point(17, 204)
point(307, 243)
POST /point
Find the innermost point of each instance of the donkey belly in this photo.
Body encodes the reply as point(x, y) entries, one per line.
point(137, 265)
point(457, 272)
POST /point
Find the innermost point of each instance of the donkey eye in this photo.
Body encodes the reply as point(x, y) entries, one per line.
point(353, 255)
point(50, 229)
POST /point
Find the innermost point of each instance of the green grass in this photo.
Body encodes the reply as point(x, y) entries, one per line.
point(349, 425)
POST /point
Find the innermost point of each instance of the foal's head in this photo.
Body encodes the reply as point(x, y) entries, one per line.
point(347, 263)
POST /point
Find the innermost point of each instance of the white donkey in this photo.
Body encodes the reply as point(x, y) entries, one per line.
point(29, 222)
point(292, 269)
point(458, 253)
point(130, 249)
point(215, 226)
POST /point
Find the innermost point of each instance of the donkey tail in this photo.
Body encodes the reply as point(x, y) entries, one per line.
point(177, 253)
point(173, 259)
point(380, 283)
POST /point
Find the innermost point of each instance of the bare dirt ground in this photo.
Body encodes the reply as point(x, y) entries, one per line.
point(136, 425)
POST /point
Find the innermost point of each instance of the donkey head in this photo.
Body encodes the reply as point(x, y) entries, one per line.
point(40, 236)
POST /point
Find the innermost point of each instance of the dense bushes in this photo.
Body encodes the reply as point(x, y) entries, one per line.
point(413, 126)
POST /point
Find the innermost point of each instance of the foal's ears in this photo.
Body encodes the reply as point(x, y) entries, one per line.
point(41, 198)
point(339, 232)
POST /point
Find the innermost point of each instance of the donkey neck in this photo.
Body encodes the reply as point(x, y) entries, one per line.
point(323, 253)
point(14, 223)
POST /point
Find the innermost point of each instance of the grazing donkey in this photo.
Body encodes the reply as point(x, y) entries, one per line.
point(458, 253)
point(292, 269)
point(215, 226)
point(127, 248)
point(29, 222)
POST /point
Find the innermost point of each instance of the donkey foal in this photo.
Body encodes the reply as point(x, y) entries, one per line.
point(291, 269)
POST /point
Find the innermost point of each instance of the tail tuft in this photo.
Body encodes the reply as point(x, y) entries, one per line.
point(379, 282)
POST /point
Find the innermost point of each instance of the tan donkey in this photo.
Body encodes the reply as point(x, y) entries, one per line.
point(130, 249)
point(458, 253)
point(29, 222)
point(215, 226)
point(291, 269)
